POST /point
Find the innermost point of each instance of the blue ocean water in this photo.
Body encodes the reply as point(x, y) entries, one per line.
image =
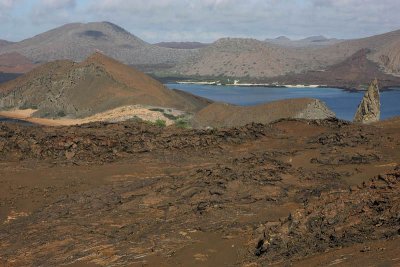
point(343, 103)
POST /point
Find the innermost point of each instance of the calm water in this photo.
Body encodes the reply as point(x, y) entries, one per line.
point(343, 103)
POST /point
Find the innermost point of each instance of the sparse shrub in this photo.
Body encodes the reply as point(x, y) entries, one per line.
point(28, 106)
point(182, 123)
point(24, 106)
point(136, 118)
point(156, 109)
point(160, 123)
point(169, 116)
point(61, 114)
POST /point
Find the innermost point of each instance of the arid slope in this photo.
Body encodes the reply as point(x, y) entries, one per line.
point(237, 57)
point(226, 115)
point(66, 88)
point(15, 63)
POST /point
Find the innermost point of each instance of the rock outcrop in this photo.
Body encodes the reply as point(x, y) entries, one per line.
point(369, 109)
point(226, 115)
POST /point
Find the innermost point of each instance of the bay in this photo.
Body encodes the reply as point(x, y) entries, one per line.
point(343, 102)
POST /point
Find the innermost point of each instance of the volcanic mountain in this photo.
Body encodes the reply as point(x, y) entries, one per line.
point(229, 57)
point(238, 57)
point(82, 89)
point(77, 41)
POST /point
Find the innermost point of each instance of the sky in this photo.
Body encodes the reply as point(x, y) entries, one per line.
point(205, 20)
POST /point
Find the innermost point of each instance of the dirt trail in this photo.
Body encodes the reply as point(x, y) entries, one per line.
point(133, 194)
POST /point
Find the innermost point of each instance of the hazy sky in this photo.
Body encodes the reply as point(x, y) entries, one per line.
point(205, 20)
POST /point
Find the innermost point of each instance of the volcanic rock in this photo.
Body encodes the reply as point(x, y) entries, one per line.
point(369, 109)
point(336, 219)
point(226, 115)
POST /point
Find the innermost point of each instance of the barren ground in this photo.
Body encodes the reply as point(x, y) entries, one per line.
point(132, 194)
point(146, 113)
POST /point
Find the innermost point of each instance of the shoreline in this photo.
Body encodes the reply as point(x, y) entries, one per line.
point(291, 86)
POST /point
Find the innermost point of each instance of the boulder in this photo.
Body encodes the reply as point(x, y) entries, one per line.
point(369, 109)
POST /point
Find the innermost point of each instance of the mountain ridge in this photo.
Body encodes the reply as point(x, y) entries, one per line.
point(76, 41)
point(312, 41)
point(238, 57)
point(227, 57)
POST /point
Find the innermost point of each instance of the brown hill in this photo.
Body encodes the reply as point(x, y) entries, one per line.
point(225, 115)
point(235, 57)
point(389, 57)
point(82, 89)
point(4, 43)
point(354, 72)
point(15, 63)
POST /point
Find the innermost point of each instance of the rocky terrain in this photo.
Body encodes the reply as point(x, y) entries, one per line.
point(369, 110)
point(335, 219)
point(134, 194)
point(389, 58)
point(226, 115)
point(69, 89)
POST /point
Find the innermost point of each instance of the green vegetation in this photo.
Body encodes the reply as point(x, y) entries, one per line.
point(165, 114)
point(157, 109)
point(160, 123)
point(28, 106)
point(182, 123)
point(169, 116)
point(61, 114)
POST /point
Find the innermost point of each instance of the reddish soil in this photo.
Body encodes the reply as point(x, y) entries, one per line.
point(133, 194)
point(98, 84)
point(15, 63)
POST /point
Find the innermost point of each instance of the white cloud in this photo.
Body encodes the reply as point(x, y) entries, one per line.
point(206, 20)
point(7, 3)
point(57, 4)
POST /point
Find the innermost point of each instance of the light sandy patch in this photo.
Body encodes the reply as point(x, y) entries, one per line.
point(15, 215)
point(115, 115)
point(21, 114)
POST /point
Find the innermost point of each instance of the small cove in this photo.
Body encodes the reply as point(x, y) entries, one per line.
point(344, 103)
